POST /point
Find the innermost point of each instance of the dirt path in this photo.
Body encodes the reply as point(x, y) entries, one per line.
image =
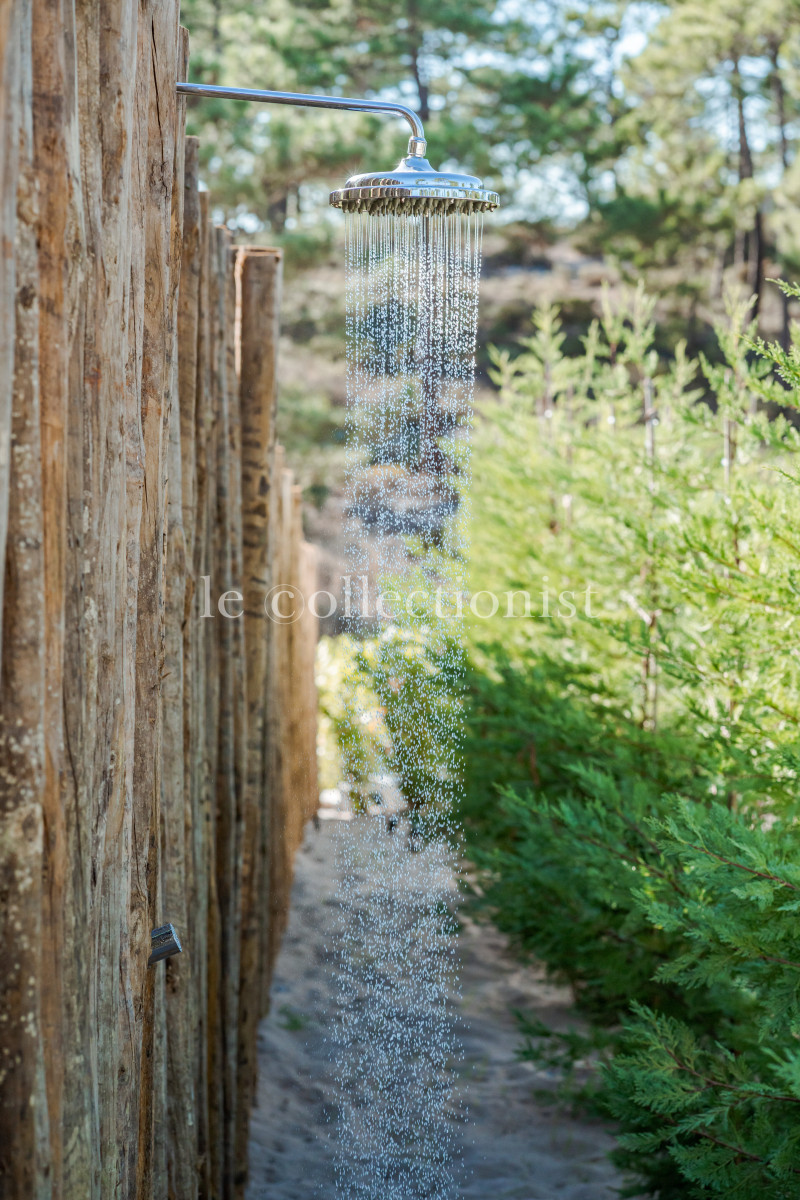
point(514, 1145)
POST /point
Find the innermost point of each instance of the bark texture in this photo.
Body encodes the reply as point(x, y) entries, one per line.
point(141, 778)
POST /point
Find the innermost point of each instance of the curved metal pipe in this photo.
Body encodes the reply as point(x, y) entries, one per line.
point(416, 146)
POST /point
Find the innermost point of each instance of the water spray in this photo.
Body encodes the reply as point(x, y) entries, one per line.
point(412, 270)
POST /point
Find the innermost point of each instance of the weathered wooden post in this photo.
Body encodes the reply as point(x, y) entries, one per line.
point(142, 779)
point(259, 277)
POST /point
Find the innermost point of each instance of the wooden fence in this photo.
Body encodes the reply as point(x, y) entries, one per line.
point(157, 750)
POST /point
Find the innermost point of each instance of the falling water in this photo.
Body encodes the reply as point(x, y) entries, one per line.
point(412, 291)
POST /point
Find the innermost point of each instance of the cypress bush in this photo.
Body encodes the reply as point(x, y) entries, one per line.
point(632, 755)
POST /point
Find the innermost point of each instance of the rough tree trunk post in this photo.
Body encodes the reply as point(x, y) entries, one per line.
point(23, 1103)
point(259, 276)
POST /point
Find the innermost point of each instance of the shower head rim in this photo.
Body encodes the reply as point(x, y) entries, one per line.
point(367, 194)
point(414, 182)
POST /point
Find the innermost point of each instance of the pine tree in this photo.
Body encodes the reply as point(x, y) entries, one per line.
point(712, 98)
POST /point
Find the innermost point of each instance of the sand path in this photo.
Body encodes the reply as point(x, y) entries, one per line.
point(515, 1145)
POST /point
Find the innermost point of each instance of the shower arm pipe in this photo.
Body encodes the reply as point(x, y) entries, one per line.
point(416, 145)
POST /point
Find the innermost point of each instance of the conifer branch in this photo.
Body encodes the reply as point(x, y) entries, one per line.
point(743, 867)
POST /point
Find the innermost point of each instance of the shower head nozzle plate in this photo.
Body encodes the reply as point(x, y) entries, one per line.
point(414, 188)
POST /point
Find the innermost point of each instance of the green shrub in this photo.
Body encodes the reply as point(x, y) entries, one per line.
point(631, 774)
point(391, 703)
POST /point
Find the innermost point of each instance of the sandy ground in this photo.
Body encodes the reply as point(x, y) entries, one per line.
point(515, 1144)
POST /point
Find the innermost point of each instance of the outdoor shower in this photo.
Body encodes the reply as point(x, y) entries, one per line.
point(413, 246)
point(412, 268)
point(412, 187)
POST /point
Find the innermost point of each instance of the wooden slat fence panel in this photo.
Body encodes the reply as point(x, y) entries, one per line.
point(157, 746)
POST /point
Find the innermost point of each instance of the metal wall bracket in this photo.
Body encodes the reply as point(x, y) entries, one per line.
point(164, 942)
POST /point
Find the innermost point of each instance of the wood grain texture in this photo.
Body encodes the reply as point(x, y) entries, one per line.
point(23, 1102)
point(15, 61)
point(142, 774)
point(61, 239)
point(259, 281)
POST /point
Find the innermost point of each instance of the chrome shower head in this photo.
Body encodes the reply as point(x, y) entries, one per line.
point(413, 187)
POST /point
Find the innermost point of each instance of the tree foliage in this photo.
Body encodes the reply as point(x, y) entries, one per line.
point(672, 126)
